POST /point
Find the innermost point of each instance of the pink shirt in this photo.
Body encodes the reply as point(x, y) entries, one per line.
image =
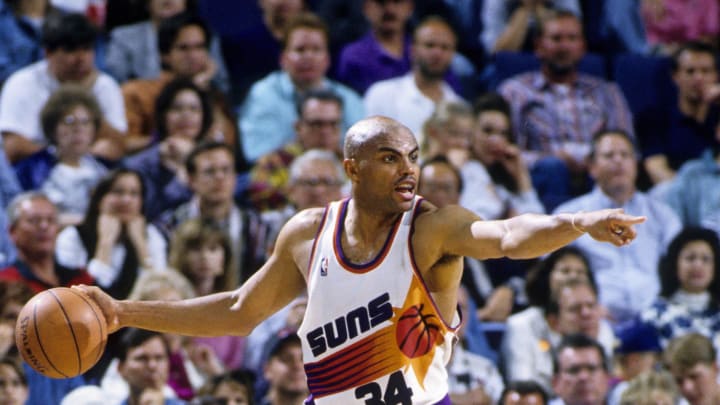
point(679, 21)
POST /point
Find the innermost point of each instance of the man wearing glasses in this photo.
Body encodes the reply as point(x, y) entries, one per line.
point(581, 374)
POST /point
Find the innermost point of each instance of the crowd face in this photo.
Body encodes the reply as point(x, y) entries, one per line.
point(319, 126)
point(561, 45)
point(189, 55)
point(695, 266)
point(614, 166)
point(697, 384)
point(232, 393)
point(388, 16)
point(124, 199)
point(147, 365)
point(279, 12)
point(319, 183)
point(567, 268)
point(36, 228)
point(516, 398)
point(12, 389)
point(581, 378)
point(71, 66)
point(696, 72)
point(161, 9)
point(578, 311)
point(490, 137)
point(454, 135)
point(205, 261)
point(185, 116)
point(305, 57)
point(439, 184)
point(285, 371)
point(75, 132)
point(214, 177)
point(433, 49)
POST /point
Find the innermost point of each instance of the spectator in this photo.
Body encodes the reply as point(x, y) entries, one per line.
point(184, 43)
point(573, 308)
point(669, 23)
point(689, 298)
point(9, 188)
point(637, 353)
point(234, 387)
point(447, 132)
point(557, 109)
point(132, 50)
point(693, 362)
point(183, 117)
point(580, 371)
point(318, 126)
point(211, 175)
point(13, 384)
point(514, 25)
point(65, 170)
point(384, 51)
point(613, 166)
point(497, 180)
point(284, 372)
point(682, 131)
point(412, 98)
point(114, 241)
point(33, 230)
point(69, 58)
point(523, 392)
point(13, 297)
point(268, 113)
point(651, 388)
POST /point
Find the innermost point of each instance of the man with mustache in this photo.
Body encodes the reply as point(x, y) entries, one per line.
point(557, 109)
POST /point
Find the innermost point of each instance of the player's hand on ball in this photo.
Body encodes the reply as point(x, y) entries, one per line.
point(106, 303)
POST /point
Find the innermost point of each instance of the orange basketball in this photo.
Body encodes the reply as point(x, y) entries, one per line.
point(61, 333)
point(417, 333)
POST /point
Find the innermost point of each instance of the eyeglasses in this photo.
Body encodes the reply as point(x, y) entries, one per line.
point(213, 171)
point(317, 182)
point(578, 368)
point(71, 121)
point(320, 124)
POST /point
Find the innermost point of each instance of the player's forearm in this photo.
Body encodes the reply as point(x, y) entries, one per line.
point(531, 235)
point(203, 316)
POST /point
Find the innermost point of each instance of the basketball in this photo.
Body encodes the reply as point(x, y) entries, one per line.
point(61, 333)
point(416, 333)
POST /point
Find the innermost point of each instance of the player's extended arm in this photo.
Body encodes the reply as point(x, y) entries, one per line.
point(277, 283)
point(532, 235)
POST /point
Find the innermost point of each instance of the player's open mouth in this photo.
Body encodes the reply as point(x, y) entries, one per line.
point(406, 190)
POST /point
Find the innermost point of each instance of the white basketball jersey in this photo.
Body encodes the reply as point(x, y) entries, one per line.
point(372, 333)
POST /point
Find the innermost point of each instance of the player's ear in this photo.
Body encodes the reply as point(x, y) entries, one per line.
point(351, 168)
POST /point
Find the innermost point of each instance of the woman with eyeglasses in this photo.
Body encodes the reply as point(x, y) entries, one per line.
point(65, 170)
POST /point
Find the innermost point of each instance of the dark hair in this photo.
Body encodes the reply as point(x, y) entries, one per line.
point(524, 387)
point(89, 233)
point(668, 269)
point(434, 19)
point(15, 365)
point(166, 98)
point(169, 30)
point(556, 14)
point(11, 292)
point(202, 147)
point(134, 337)
point(578, 341)
point(693, 47)
point(492, 101)
point(443, 160)
point(240, 376)
point(321, 95)
point(61, 102)
point(537, 284)
point(69, 32)
point(599, 135)
point(305, 20)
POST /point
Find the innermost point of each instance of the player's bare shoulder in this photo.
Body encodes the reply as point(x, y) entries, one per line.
point(436, 220)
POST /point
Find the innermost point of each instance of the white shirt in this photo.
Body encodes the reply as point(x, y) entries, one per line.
point(26, 91)
point(400, 99)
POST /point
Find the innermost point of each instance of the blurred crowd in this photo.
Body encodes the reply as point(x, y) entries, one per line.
point(155, 148)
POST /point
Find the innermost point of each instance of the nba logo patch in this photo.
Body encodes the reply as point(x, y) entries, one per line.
point(323, 266)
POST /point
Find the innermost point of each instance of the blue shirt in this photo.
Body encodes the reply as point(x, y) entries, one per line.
point(269, 113)
point(694, 193)
point(627, 277)
point(20, 42)
point(45, 390)
point(9, 188)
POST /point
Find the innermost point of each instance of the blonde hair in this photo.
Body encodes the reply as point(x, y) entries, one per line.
point(445, 112)
point(643, 389)
point(152, 284)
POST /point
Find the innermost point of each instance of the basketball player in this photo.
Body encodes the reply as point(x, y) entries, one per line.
point(382, 270)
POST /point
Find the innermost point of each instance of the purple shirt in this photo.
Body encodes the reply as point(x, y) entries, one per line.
point(365, 62)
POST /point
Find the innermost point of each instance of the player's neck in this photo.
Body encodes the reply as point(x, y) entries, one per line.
point(364, 225)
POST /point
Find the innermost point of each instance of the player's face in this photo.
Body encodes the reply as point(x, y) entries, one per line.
point(188, 56)
point(698, 383)
point(71, 65)
point(695, 266)
point(36, 228)
point(185, 115)
point(124, 198)
point(214, 177)
point(146, 366)
point(320, 125)
point(75, 132)
point(433, 50)
point(614, 166)
point(386, 171)
point(12, 390)
point(561, 46)
point(581, 378)
point(696, 72)
point(305, 57)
